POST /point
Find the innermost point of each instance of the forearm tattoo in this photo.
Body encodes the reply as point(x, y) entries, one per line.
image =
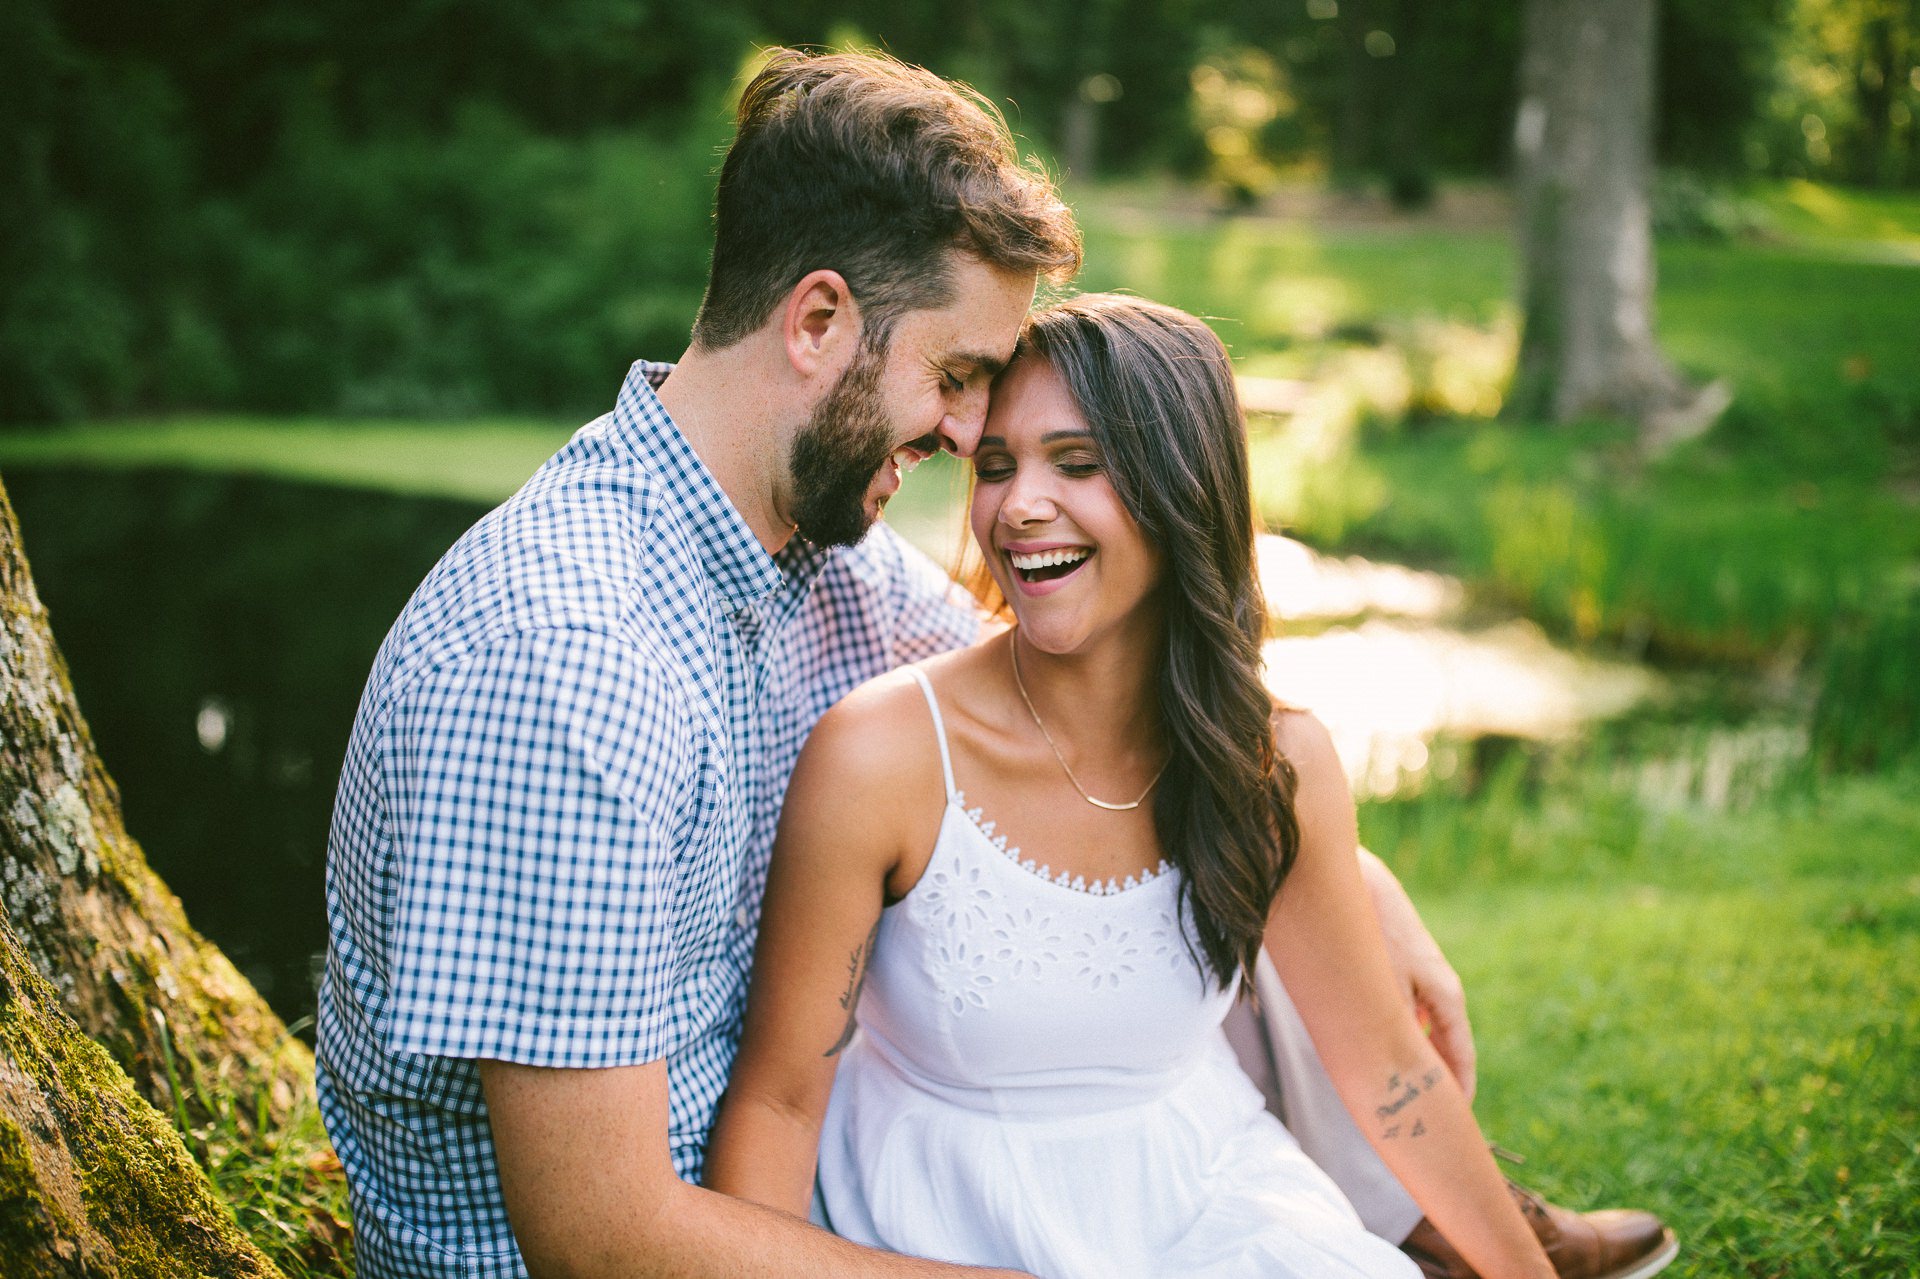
point(856, 979)
point(1401, 1093)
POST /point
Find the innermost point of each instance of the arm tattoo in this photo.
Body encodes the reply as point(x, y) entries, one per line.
point(1403, 1093)
point(857, 964)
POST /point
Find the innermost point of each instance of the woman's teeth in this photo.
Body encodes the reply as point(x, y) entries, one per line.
point(1054, 563)
point(1046, 559)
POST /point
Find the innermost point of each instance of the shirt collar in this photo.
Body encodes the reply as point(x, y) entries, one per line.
point(740, 567)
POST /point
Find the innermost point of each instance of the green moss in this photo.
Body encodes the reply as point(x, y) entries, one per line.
point(27, 1216)
point(141, 1190)
point(177, 1219)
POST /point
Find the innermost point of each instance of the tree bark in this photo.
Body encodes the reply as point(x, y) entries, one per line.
point(93, 1180)
point(110, 1004)
point(1584, 142)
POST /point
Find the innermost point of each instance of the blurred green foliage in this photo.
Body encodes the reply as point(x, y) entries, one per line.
point(1844, 96)
point(433, 273)
point(340, 206)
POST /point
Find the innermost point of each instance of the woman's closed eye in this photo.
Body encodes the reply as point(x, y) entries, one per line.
point(1077, 464)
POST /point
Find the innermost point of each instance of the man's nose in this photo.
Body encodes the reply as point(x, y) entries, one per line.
point(960, 430)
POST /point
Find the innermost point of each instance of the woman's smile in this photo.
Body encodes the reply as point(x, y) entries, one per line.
point(1042, 570)
point(1046, 510)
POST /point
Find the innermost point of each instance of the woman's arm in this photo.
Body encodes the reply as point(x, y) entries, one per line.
point(1327, 946)
point(1421, 971)
point(841, 832)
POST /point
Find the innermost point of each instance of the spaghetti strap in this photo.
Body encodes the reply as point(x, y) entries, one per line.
point(939, 727)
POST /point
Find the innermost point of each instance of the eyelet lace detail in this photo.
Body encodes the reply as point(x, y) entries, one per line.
point(980, 933)
point(1078, 883)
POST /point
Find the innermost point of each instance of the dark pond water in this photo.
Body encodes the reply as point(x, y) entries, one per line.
point(219, 630)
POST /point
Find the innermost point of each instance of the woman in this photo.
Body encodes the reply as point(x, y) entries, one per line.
point(1050, 859)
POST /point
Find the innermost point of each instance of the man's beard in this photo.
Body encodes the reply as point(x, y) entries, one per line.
point(837, 453)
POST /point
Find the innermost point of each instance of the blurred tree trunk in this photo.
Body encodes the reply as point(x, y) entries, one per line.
point(1874, 90)
point(1354, 127)
point(109, 1001)
point(1889, 49)
point(1409, 143)
point(1584, 144)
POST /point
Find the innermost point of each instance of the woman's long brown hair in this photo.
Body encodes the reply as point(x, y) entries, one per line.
point(1156, 387)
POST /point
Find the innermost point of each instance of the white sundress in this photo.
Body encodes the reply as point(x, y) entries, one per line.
point(1040, 1081)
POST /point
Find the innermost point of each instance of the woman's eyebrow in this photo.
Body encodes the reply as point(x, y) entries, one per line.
point(1051, 436)
point(1000, 441)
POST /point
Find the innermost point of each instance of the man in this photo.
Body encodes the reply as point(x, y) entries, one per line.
point(554, 818)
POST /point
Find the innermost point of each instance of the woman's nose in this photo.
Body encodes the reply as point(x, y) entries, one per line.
point(1028, 502)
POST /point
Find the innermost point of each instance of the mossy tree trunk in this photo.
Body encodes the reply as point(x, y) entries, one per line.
point(93, 1180)
point(110, 1004)
point(1584, 151)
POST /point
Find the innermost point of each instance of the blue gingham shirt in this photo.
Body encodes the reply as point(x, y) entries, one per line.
point(553, 825)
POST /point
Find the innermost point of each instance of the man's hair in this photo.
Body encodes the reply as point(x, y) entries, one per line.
point(861, 164)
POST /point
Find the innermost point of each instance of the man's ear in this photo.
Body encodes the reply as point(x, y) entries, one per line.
point(820, 325)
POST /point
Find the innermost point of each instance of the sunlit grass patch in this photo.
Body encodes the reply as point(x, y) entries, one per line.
point(1817, 344)
point(480, 461)
point(279, 1175)
point(1811, 211)
point(1712, 1014)
point(1739, 1061)
point(1274, 284)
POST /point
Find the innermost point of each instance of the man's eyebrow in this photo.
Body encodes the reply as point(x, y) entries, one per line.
point(987, 363)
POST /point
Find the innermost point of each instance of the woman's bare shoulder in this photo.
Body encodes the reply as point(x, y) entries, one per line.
point(1304, 742)
point(878, 742)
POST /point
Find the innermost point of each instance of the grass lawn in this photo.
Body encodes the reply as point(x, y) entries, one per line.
point(1721, 1023)
point(1884, 224)
point(480, 461)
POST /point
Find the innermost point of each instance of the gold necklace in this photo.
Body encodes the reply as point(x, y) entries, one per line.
point(1013, 647)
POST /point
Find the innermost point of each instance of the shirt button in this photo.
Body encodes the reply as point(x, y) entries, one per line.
point(741, 917)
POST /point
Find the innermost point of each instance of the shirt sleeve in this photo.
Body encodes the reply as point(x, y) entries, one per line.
point(532, 788)
point(931, 612)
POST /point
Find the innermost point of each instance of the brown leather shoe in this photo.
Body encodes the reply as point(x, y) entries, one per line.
point(1615, 1243)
